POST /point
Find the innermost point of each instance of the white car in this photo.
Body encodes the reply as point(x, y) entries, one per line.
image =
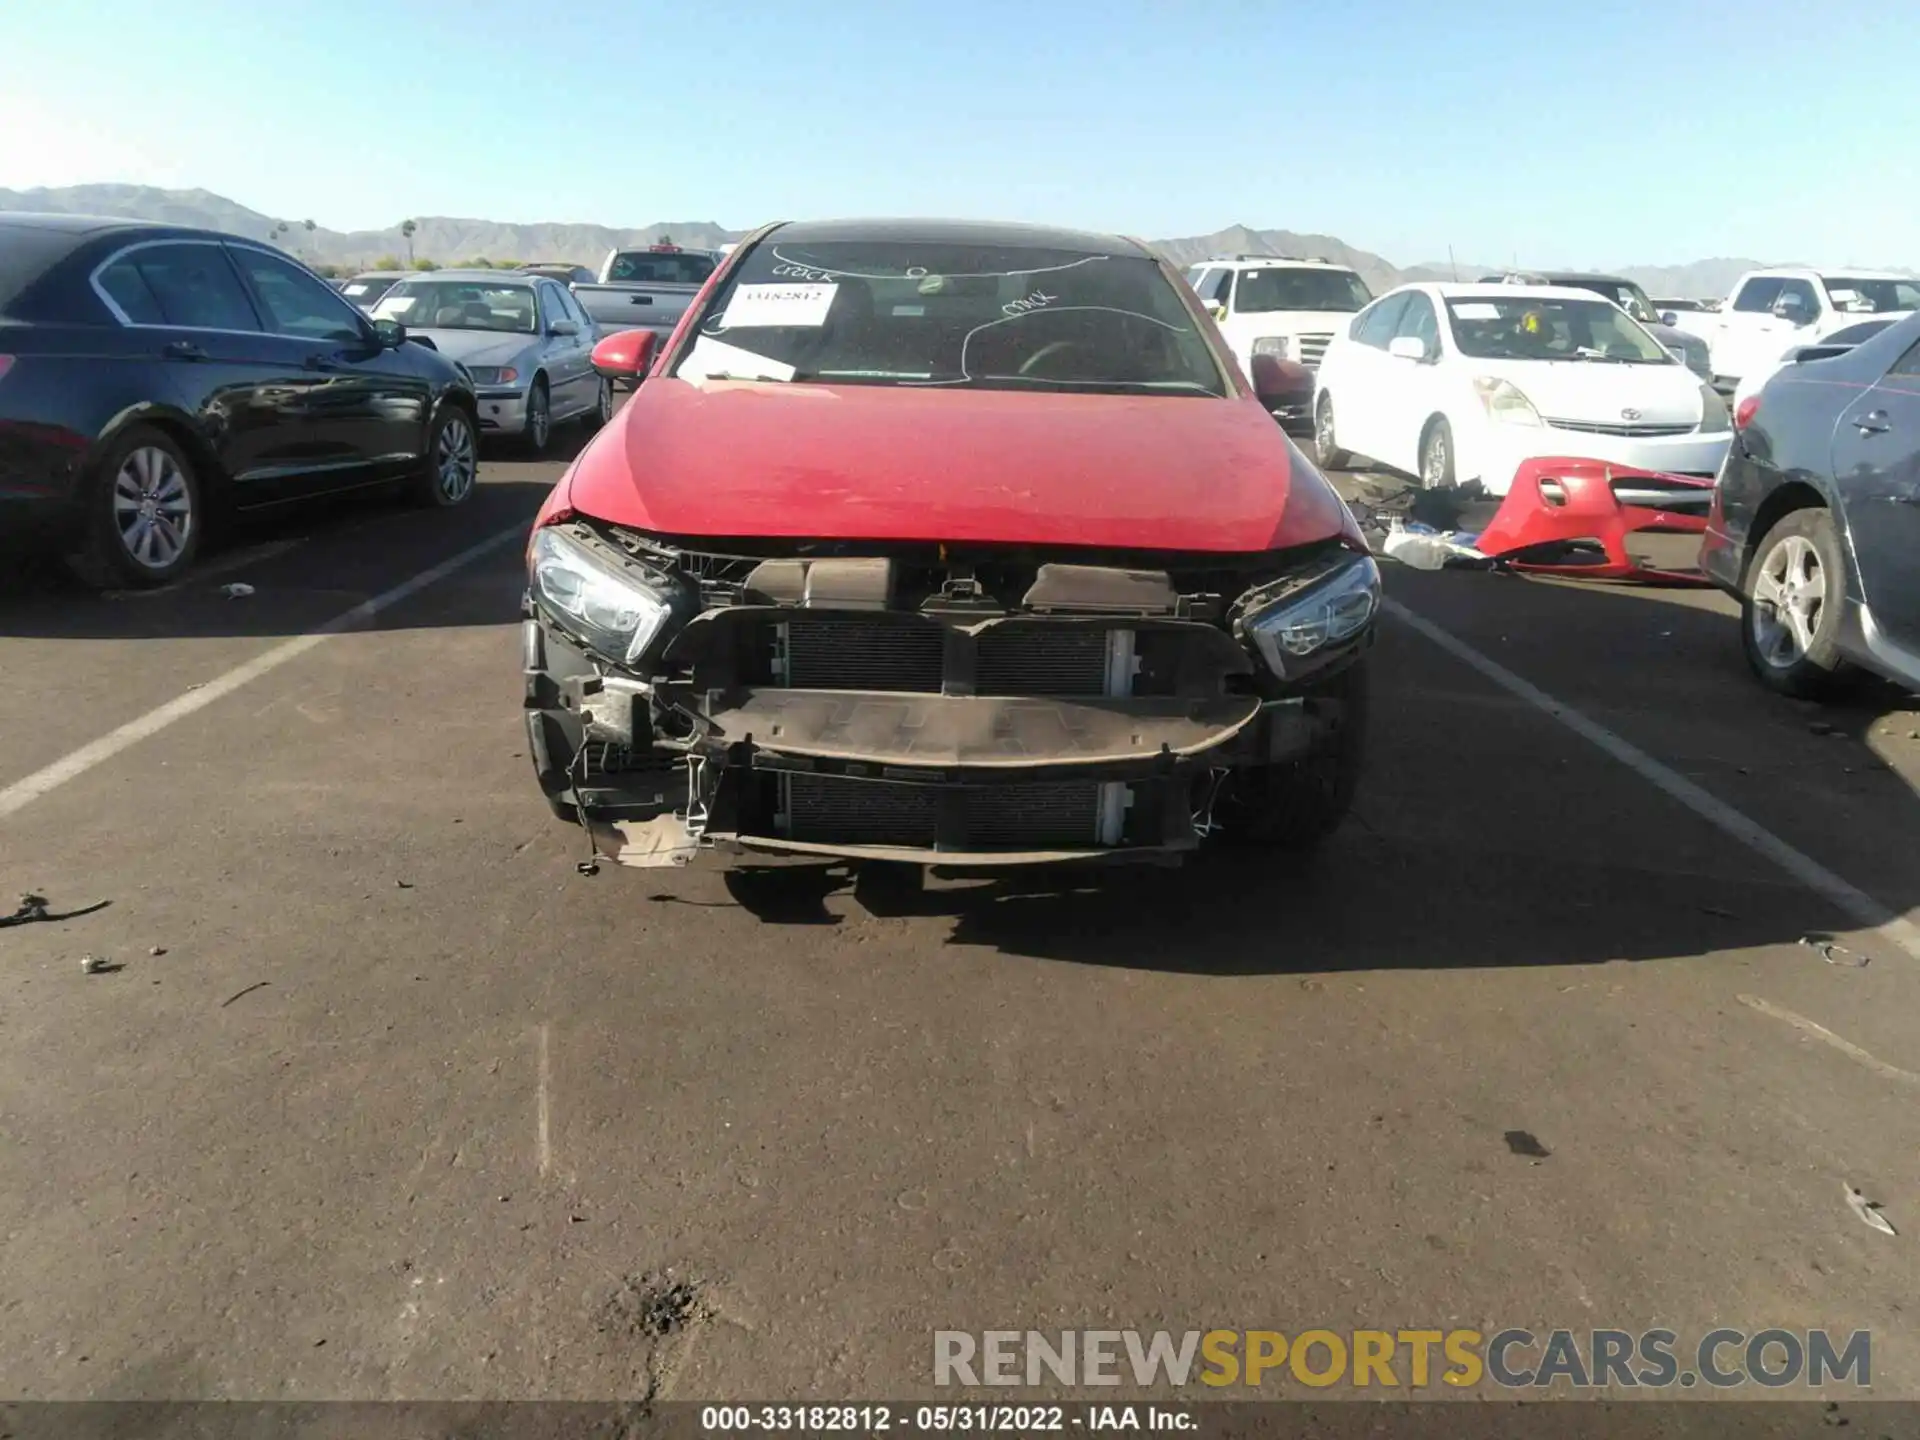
point(1458, 384)
point(1270, 306)
point(1840, 341)
point(1772, 310)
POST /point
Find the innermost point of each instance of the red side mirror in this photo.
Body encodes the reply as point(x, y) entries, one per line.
point(627, 355)
point(1275, 380)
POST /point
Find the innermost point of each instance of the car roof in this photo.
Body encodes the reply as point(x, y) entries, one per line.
point(1817, 272)
point(1007, 235)
point(1499, 290)
point(1274, 262)
point(382, 274)
point(70, 224)
point(504, 277)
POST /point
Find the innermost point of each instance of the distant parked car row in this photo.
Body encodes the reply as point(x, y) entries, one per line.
point(152, 372)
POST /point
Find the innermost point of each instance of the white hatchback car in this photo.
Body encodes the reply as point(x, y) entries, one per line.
point(1460, 383)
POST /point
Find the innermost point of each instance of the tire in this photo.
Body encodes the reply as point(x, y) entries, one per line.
point(1436, 456)
point(451, 467)
point(145, 515)
point(602, 410)
point(1326, 452)
point(1793, 598)
point(539, 430)
point(1297, 805)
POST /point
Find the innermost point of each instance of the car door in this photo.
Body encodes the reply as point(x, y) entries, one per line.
point(1749, 335)
point(1876, 465)
point(359, 413)
point(575, 386)
point(1410, 390)
point(226, 370)
point(1356, 389)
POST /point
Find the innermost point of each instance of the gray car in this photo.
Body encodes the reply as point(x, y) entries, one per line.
point(1688, 347)
point(524, 340)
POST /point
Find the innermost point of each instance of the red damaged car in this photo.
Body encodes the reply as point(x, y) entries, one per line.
point(958, 544)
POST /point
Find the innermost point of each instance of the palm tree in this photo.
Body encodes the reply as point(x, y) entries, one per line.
point(309, 227)
point(407, 227)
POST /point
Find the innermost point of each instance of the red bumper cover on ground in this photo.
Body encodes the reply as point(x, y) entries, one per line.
point(1558, 510)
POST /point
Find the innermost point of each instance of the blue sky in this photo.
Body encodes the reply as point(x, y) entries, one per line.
point(1632, 133)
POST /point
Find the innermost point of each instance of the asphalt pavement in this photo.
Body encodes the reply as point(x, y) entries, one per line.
point(380, 1098)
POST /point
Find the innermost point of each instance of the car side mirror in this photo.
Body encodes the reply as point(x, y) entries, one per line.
point(1791, 311)
point(627, 355)
point(1276, 381)
point(390, 333)
point(1668, 317)
point(1408, 347)
point(564, 327)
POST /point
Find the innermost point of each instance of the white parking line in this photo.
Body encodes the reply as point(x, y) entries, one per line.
point(1864, 910)
point(23, 793)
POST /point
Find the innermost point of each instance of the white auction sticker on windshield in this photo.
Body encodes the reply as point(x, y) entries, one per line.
point(788, 306)
point(1475, 310)
point(394, 305)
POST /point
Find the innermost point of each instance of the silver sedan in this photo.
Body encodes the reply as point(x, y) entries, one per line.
point(523, 338)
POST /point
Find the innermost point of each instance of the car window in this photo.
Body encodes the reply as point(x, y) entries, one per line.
point(1857, 294)
point(1375, 327)
point(195, 286)
point(504, 305)
point(1194, 272)
point(1854, 334)
point(1277, 287)
point(656, 267)
point(1802, 291)
point(297, 303)
point(1758, 294)
point(973, 314)
point(363, 290)
point(27, 253)
point(1909, 363)
point(128, 289)
point(1215, 286)
point(1418, 320)
point(1534, 326)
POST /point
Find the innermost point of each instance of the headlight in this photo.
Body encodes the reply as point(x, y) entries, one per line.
point(611, 608)
point(1504, 402)
point(1279, 346)
point(1328, 611)
point(1713, 412)
point(493, 375)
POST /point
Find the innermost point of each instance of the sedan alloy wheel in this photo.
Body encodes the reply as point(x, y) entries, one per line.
point(152, 508)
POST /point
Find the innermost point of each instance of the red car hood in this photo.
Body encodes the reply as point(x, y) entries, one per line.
point(873, 462)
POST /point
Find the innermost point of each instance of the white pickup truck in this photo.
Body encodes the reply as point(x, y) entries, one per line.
point(1771, 311)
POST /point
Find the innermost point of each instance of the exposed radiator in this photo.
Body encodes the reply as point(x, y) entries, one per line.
point(832, 810)
point(852, 652)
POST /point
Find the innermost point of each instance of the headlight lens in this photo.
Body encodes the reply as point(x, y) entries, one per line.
point(1713, 412)
point(493, 374)
point(1279, 346)
point(610, 608)
point(1504, 402)
point(1327, 612)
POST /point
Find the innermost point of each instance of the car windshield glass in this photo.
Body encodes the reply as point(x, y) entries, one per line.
point(657, 267)
point(1630, 298)
point(459, 305)
point(1534, 327)
point(365, 292)
point(1275, 288)
point(915, 313)
point(1857, 296)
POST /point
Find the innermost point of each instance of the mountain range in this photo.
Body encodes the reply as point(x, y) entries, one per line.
point(449, 240)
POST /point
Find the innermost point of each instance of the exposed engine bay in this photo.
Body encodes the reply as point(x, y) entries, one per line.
point(960, 706)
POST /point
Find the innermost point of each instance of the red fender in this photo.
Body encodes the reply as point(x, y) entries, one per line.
point(1557, 500)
